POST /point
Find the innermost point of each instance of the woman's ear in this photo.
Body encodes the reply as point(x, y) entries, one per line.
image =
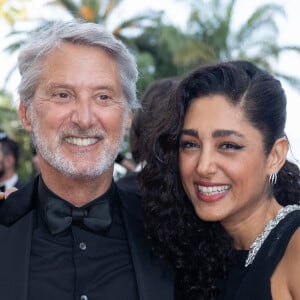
point(278, 154)
point(24, 116)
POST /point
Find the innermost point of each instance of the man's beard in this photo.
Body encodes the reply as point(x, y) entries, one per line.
point(82, 167)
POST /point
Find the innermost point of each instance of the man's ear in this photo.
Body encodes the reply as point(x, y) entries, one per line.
point(278, 154)
point(24, 116)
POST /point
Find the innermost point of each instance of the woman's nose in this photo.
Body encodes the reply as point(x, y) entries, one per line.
point(206, 163)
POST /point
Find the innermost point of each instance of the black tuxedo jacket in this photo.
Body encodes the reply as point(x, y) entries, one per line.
point(154, 280)
point(19, 184)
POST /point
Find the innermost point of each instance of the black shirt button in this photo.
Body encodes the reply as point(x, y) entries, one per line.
point(82, 246)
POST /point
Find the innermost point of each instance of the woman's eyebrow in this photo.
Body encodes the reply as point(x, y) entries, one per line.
point(226, 132)
point(190, 132)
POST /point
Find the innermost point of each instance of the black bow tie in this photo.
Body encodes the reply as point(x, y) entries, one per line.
point(60, 215)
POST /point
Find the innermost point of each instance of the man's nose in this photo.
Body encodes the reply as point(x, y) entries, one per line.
point(83, 114)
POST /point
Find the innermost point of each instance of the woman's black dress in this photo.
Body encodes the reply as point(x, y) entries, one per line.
point(253, 282)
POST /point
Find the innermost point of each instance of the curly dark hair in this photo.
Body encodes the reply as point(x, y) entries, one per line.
point(152, 105)
point(201, 251)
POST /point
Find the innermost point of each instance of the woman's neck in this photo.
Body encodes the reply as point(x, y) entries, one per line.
point(245, 231)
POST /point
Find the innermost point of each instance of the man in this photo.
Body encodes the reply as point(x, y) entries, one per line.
point(76, 235)
point(9, 158)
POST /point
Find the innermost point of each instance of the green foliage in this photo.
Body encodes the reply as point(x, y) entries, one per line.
point(214, 38)
point(145, 64)
point(25, 165)
point(8, 113)
point(160, 45)
point(10, 11)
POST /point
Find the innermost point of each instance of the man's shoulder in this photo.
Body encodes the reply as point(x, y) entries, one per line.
point(17, 205)
point(130, 201)
point(128, 196)
point(19, 184)
point(129, 182)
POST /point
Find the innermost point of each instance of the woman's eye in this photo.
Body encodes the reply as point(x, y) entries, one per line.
point(230, 146)
point(188, 145)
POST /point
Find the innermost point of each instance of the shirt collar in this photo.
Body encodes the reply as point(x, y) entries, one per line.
point(10, 182)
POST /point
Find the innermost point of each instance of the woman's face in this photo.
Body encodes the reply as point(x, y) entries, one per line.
point(222, 163)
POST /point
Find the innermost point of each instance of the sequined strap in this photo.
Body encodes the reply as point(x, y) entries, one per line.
point(256, 245)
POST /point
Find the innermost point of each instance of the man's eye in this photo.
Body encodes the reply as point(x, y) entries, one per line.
point(103, 97)
point(63, 95)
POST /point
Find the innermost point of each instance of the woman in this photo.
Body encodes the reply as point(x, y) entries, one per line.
point(218, 184)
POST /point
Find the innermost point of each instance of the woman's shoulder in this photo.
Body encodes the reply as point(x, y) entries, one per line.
point(291, 257)
point(293, 248)
point(288, 270)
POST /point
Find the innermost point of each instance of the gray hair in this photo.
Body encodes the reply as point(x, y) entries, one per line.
point(77, 32)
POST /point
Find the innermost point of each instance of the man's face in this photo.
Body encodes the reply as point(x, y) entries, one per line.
point(79, 113)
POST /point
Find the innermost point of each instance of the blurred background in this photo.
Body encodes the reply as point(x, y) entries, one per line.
point(168, 38)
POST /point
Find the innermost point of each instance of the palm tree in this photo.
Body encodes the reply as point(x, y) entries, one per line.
point(157, 48)
point(95, 11)
point(214, 38)
point(10, 12)
point(98, 11)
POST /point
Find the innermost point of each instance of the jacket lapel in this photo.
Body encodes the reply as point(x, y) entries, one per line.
point(154, 279)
